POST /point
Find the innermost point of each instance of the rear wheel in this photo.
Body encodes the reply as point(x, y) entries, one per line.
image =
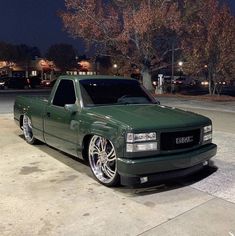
point(27, 130)
point(103, 161)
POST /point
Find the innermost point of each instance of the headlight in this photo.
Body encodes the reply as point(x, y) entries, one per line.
point(2, 83)
point(207, 137)
point(207, 129)
point(140, 142)
point(142, 137)
point(141, 147)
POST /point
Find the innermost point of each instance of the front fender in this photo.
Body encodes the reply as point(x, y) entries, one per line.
point(108, 131)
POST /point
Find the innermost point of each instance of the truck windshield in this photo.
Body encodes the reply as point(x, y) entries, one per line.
point(100, 92)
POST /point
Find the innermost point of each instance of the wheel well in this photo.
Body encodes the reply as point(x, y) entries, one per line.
point(21, 121)
point(85, 145)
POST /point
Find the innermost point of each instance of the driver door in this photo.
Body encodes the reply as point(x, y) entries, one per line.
point(60, 129)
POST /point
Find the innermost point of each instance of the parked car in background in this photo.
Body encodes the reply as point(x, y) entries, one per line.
point(177, 84)
point(48, 83)
point(3, 82)
point(34, 82)
point(45, 83)
point(205, 83)
point(17, 83)
point(185, 82)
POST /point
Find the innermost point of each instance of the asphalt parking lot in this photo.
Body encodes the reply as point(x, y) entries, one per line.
point(46, 192)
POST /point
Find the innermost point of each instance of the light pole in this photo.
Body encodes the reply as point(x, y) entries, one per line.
point(172, 63)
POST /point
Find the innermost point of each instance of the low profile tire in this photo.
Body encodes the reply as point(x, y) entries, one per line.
point(103, 161)
point(27, 130)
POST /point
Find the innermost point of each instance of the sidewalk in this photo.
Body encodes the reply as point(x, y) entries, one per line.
point(196, 103)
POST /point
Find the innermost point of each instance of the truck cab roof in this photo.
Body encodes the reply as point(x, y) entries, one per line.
point(82, 77)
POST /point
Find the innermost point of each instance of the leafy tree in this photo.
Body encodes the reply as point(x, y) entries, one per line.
point(63, 55)
point(103, 64)
point(25, 53)
point(22, 54)
point(18, 53)
point(8, 52)
point(209, 40)
point(124, 29)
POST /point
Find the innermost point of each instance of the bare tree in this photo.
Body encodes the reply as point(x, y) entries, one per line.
point(209, 41)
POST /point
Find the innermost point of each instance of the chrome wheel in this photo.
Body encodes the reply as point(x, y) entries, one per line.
point(103, 160)
point(27, 129)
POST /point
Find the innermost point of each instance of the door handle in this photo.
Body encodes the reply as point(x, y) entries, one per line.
point(48, 114)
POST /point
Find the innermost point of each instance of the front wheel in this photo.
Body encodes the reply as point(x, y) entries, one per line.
point(103, 161)
point(27, 130)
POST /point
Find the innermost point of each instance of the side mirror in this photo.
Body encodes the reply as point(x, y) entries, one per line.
point(72, 108)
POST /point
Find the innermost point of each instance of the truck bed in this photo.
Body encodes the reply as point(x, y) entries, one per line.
point(35, 108)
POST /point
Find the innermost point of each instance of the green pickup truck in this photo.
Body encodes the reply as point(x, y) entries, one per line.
point(115, 124)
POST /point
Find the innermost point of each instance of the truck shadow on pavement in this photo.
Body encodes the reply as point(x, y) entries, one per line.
point(73, 162)
point(170, 184)
point(82, 166)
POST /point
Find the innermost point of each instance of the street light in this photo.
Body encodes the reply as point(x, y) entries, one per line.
point(180, 63)
point(115, 66)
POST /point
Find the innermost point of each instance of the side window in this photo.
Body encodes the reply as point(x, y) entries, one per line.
point(65, 93)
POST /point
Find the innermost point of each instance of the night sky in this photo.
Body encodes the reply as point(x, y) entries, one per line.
point(35, 22)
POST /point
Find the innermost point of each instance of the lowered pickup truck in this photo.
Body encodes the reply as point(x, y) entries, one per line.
point(118, 127)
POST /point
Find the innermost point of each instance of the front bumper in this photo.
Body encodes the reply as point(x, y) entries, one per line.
point(184, 163)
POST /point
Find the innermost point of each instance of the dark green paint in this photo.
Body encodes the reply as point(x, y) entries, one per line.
point(67, 128)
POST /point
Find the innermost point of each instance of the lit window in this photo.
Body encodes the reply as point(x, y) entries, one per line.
point(34, 73)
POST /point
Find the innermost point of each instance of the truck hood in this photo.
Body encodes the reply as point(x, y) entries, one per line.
point(149, 117)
